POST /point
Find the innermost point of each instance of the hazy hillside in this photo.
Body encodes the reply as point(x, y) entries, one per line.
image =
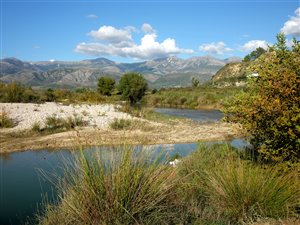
point(163, 72)
point(233, 73)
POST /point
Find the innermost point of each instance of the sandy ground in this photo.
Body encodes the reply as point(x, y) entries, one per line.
point(25, 114)
point(98, 132)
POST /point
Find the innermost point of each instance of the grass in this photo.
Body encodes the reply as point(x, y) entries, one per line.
point(224, 188)
point(120, 124)
point(213, 185)
point(5, 121)
point(243, 192)
point(148, 113)
point(128, 124)
point(55, 124)
point(203, 97)
point(123, 188)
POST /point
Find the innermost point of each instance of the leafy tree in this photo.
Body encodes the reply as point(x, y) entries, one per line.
point(270, 109)
point(132, 86)
point(254, 54)
point(106, 85)
point(195, 82)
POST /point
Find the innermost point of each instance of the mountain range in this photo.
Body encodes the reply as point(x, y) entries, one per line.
point(163, 72)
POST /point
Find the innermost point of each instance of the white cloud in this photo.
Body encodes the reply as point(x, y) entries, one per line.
point(36, 47)
point(92, 16)
point(292, 26)
point(122, 45)
point(215, 48)
point(147, 28)
point(111, 34)
point(254, 44)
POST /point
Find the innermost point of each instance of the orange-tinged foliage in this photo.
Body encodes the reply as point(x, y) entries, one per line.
point(270, 109)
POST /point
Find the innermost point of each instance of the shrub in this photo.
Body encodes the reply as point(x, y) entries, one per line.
point(5, 121)
point(106, 85)
point(54, 123)
point(125, 187)
point(120, 124)
point(36, 127)
point(133, 87)
point(49, 95)
point(270, 109)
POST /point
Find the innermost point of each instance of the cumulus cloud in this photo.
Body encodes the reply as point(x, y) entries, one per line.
point(292, 26)
point(92, 16)
point(112, 34)
point(147, 28)
point(119, 42)
point(254, 44)
point(215, 48)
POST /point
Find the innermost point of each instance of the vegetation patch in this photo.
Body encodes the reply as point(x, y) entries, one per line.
point(206, 97)
point(214, 185)
point(269, 109)
point(5, 121)
point(223, 188)
point(55, 124)
point(121, 187)
point(120, 124)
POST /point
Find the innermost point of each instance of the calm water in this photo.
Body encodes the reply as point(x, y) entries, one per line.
point(23, 187)
point(197, 115)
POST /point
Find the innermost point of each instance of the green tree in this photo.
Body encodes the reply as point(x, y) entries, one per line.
point(254, 54)
point(195, 82)
point(132, 86)
point(106, 85)
point(270, 109)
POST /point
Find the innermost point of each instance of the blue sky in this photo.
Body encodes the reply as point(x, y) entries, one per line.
point(128, 31)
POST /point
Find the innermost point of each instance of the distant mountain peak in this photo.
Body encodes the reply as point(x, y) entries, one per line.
point(171, 70)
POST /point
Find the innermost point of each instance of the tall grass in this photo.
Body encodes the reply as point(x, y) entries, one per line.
point(125, 188)
point(244, 192)
point(211, 186)
point(224, 188)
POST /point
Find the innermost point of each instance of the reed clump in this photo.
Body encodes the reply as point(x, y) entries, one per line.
point(124, 186)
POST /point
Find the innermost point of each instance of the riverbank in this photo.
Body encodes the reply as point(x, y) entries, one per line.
point(97, 130)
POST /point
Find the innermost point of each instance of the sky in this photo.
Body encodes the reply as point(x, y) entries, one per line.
point(130, 31)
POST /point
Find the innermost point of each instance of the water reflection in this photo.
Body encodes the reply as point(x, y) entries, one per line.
point(196, 115)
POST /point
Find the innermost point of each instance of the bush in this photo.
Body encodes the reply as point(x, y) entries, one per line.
point(106, 85)
point(270, 109)
point(120, 124)
point(125, 187)
point(133, 87)
point(5, 121)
